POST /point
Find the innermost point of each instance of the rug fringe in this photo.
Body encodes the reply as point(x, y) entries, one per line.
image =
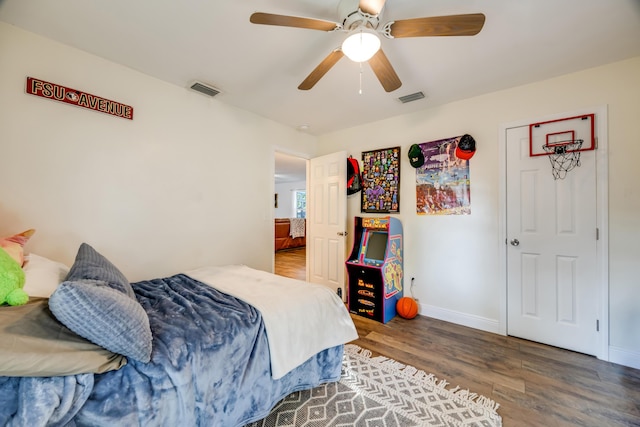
point(414, 373)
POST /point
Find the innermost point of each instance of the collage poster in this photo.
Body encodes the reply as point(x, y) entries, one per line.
point(443, 181)
point(381, 181)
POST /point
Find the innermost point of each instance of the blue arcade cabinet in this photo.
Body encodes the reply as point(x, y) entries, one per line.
point(375, 268)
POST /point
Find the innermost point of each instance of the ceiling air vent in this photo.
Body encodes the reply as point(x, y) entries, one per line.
point(205, 89)
point(412, 97)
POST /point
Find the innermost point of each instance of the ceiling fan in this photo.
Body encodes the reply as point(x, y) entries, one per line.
point(361, 19)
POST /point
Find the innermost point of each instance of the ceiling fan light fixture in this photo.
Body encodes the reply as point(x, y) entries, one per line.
point(361, 45)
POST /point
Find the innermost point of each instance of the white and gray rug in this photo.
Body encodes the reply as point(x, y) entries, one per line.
point(381, 392)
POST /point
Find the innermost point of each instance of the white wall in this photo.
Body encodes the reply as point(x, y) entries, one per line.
point(286, 208)
point(455, 258)
point(181, 186)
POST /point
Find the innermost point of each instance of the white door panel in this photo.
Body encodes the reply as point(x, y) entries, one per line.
point(552, 289)
point(326, 226)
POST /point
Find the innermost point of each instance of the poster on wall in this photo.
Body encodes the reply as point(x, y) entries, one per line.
point(443, 183)
point(381, 181)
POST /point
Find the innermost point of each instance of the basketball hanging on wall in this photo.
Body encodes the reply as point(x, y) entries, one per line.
point(407, 308)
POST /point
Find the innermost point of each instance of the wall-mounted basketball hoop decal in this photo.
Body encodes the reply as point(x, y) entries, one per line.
point(562, 140)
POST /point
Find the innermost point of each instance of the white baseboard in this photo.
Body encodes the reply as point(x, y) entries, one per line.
point(624, 357)
point(464, 319)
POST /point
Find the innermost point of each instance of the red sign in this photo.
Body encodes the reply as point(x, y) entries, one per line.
point(81, 99)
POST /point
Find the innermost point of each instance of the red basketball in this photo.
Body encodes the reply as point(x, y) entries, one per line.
point(407, 307)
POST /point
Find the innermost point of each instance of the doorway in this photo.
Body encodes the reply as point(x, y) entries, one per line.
point(326, 216)
point(290, 176)
point(555, 243)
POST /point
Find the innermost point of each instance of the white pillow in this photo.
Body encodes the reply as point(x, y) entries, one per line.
point(42, 275)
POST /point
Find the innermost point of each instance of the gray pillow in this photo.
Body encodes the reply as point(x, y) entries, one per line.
point(105, 316)
point(89, 264)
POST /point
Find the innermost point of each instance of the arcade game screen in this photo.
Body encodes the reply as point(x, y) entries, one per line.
point(376, 247)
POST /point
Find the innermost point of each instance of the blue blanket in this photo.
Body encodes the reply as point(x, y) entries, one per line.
point(209, 367)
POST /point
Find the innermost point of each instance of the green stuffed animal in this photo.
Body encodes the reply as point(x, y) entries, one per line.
point(11, 281)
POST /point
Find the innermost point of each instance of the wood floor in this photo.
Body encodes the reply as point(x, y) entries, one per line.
point(291, 263)
point(535, 385)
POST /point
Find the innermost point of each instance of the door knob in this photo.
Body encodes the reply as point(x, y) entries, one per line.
point(342, 233)
point(515, 242)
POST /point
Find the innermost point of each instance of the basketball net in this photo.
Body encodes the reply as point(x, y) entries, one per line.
point(563, 157)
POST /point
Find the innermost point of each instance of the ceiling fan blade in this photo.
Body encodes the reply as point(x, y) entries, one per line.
point(453, 25)
point(321, 70)
point(293, 21)
point(384, 71)
point(372, 7)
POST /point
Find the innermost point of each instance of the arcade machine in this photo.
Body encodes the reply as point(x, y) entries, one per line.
point(374, 268)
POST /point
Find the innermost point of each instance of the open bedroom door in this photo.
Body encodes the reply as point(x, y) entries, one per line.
point(327, 220)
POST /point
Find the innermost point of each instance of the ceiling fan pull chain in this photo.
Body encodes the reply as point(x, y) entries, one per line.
point(360, 91)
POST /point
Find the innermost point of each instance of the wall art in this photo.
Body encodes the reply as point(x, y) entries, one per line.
point(381, 181)
point(79, 98)
point(443, 183)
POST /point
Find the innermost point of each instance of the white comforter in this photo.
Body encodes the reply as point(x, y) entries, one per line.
point(301, 318)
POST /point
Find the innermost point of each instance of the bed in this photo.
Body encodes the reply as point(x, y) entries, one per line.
point(215, 346)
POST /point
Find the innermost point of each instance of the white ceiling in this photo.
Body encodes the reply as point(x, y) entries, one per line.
point(259, 67)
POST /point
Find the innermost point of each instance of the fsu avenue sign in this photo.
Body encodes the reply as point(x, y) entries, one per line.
point(67, 95)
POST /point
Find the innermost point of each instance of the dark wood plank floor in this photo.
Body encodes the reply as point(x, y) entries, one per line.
point(536, 385)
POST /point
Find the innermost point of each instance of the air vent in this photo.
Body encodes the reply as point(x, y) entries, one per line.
point(412, 97)
point(205, 89)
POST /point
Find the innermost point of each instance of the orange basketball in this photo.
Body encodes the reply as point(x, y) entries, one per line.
point(407, 307)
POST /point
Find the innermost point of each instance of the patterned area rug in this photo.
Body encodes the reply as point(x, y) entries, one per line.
point(381, 392)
